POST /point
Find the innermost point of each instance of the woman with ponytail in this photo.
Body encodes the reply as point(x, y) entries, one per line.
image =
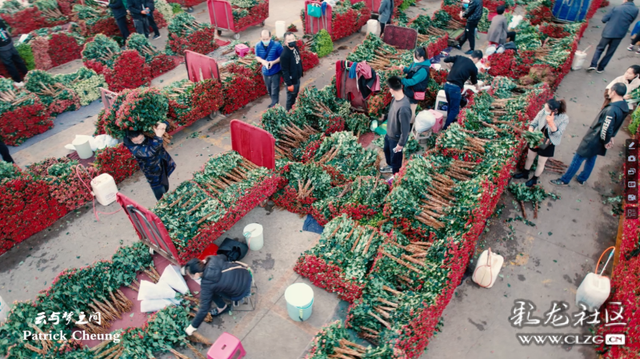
point(552, 121)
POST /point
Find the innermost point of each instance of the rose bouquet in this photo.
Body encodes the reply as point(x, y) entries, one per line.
point(22, 114)
point(95, 20)
point(56, 96)
point(340, 261)
point(189, 101)
point(248, 12)
point(345, 159)
point(116, 161)
point(85, 83)
point(129, 71)
point(27, 206)
point(100, 53)
point(307, 183)
point(159, 62)
point(22, 20)
point(67, 181)
point(141, 110)
point(185, 33)
point(107, 117)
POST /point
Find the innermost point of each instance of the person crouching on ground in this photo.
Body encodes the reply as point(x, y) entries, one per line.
point(552, 121)
point(631, 79)
point(498, 30)
point(398, 126)
point(417, 79)
point(220, 279)
point(599, 137)
point(154, 161)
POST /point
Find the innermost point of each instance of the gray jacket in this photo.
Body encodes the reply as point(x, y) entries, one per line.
point(498, 30)
point(385, 11)
point(618, 20)
point(561, 121)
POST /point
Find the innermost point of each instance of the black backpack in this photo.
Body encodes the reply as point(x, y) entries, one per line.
point(233, 250)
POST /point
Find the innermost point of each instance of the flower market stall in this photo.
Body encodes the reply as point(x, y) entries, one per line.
point(22, 114)
point(23, 20)
point(237, 15)
point(51, 47)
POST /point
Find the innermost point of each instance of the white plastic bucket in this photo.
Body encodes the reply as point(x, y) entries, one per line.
point(4, 310)
point(578, 60)
point(253, 234)
point(299, 297)
point(83, 147)
point(593, 291)
point(373, 27)
point(281, 28)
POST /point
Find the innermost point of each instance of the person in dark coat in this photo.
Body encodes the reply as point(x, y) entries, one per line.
point(498, 29)
point(119, 13)
point(384, 13)
point(139, 11)
point(220, 280)
point(10, 56)
point(618, 21)
point(473, 14)
point(154, 160)
point(150, 7)
point(291, 65)
point(599, 137)
point(4, 152)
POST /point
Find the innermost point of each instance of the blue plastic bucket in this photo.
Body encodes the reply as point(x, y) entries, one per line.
point(299, 297)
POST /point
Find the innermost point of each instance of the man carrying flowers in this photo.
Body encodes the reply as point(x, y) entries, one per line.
point(155, 162)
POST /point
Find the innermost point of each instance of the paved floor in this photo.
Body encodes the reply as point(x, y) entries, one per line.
point(542, 263)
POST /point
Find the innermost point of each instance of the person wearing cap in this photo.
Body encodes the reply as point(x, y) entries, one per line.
point(154, 161)
point(219, 280)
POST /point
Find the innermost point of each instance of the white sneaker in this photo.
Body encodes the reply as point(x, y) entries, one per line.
point(18, 84)
point(630, 48)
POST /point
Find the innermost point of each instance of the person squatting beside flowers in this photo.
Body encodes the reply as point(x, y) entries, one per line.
point(219, 280)
point(552, 120)
point(155, 162)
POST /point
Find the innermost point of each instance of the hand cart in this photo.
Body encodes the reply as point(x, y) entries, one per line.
point(221, 16)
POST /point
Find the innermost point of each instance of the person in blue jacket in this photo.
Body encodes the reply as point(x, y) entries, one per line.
point(618, 20)
point(154, 161)
point(268, 53)
point(635, 38)
point(417, 78)
point(119, 13)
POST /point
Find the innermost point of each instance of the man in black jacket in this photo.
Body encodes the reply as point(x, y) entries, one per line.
point(10, 56)
point(119, 13)
point(220, 279)
point(291, 65)
point(618, 21)
point(462, 69)
point(139, 11)
point(599, 137)
point(473, 14)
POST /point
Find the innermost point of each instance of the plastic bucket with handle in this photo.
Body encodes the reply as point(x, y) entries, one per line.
point(253, 233)
point(299, 297)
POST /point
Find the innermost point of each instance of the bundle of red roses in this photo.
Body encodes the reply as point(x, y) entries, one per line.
point(116, 161)
point(189, 101)
point(129, 71)
point(67, 181)
point(185, 33)
point(27, 207)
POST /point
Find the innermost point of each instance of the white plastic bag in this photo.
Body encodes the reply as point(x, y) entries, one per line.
point(150, 291)
point(424, 121)
point(154, 305)
point(515, 20)
point(97, 143)
point(172, 277)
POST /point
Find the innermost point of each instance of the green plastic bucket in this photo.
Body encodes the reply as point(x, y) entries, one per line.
point(299, 297)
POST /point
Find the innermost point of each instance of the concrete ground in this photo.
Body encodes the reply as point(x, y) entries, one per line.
point(542, 264)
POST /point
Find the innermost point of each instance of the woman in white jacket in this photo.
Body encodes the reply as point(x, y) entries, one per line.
point(552, 121)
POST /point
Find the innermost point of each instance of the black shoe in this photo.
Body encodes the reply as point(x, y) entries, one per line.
point(591, 68)
point(532, 182)
point(469, 52)
point(458, 47)
point(521, 175)
point(581, 182)
point(156, 37)
point(214, 312)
